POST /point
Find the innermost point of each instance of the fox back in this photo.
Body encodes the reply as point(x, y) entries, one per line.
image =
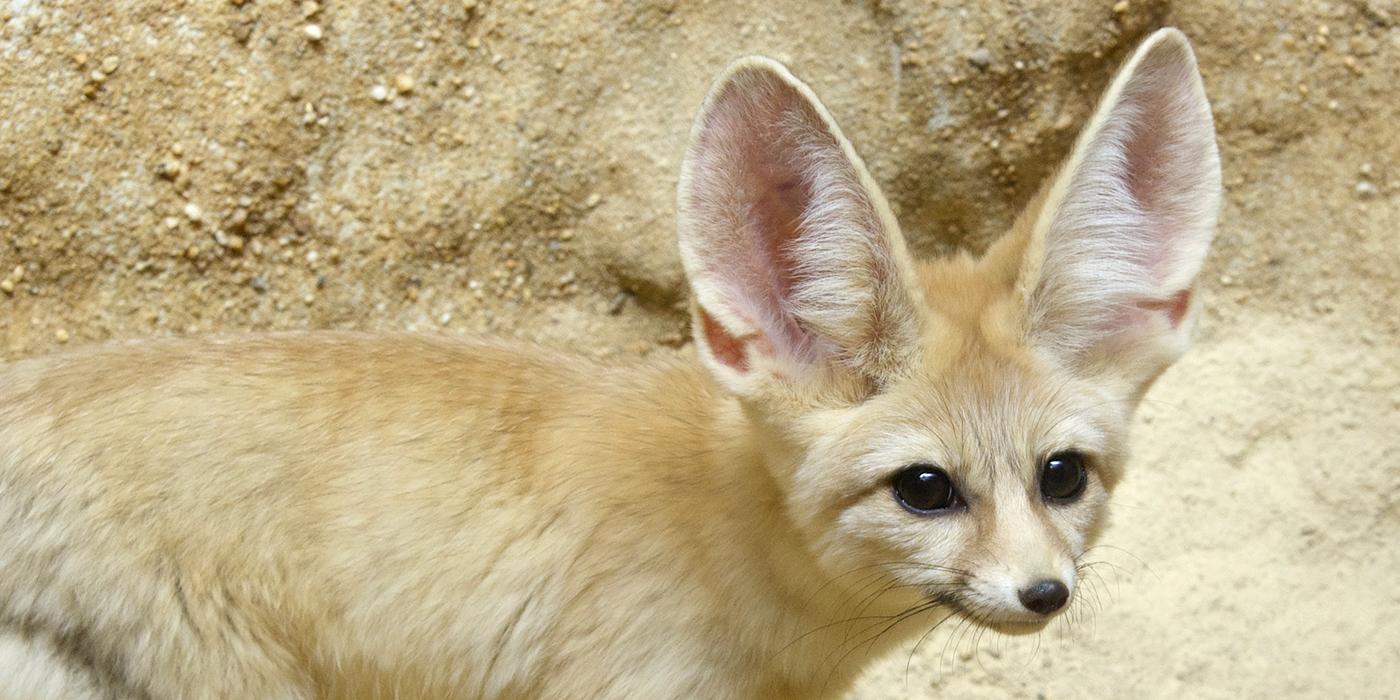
point(858, 446)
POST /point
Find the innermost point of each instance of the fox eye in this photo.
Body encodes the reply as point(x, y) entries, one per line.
point(1063, 477)
point(924, 488)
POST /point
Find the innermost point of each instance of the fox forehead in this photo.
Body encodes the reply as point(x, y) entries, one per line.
point(985, 415)
point(981, 404)
point(995, 416)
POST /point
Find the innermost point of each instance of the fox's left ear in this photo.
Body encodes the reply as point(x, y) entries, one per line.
point(1115, 247)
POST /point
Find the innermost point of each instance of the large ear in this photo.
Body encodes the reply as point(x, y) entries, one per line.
point(799, 272)
point(1123, 229)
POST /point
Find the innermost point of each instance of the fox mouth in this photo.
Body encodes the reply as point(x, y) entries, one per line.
point(992, 617)
point(998, 622)
point(1016, 628)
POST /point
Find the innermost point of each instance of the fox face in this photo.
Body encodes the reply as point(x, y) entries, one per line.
point(975, 484)
point(947, 432)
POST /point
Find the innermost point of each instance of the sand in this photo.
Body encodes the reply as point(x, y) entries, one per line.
point(508, 167)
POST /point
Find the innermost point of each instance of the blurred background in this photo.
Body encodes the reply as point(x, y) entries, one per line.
point(509, 167)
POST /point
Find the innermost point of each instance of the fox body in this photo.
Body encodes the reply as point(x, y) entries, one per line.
point(858, 446)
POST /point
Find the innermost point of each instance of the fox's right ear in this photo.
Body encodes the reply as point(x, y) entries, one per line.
point(799, 274)
point(1108, 277)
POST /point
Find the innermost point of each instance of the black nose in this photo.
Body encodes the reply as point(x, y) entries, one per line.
point(1044, 597)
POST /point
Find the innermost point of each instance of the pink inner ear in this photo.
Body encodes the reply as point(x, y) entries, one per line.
point(1145, 158)
point(1175, 307)
point(1166, 145)
point(753, 187)
point(725, 347)
point(1139, 212)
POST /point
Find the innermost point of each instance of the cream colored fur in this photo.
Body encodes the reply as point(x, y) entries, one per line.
point(338, 515)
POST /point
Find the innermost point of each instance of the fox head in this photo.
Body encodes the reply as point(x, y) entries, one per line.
point(955, 425)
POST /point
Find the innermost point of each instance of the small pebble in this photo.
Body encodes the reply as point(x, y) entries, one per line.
point(1120, 7)
point(193, 212)
point(404, 84)
point(242, 32)
point(981, 58)
point(169, 169)
point(258, 283)
point(1366, 190)
point(60, 335)
point(618, 302)
point(379, 93)
point(312, 32)
point(110, 64)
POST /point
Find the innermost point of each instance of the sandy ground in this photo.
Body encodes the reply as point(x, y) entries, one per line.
point(510, 167)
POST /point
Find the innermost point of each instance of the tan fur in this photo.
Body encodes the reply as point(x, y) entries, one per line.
point(339, 515)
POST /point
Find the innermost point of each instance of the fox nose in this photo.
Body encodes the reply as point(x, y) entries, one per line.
point(1044, 597)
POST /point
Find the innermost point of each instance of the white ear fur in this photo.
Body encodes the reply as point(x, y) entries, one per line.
point(1126, 225)
point(798, 269)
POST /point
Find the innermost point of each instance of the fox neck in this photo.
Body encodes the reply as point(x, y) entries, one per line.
point(809, 629)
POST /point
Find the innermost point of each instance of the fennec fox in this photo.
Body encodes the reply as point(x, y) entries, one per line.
point(860, 445)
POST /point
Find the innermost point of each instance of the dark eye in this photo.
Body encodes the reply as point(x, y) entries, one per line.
point(924, 488)
point(1063, 478)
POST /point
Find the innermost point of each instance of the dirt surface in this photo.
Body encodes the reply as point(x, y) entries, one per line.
point(510, 167)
